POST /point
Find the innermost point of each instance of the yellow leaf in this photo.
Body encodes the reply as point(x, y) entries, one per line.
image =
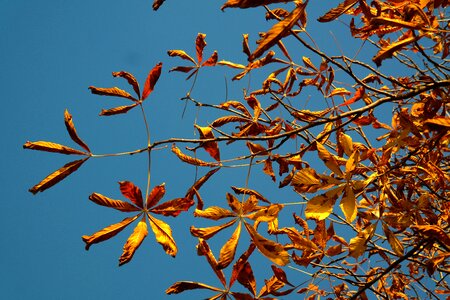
point(52, 147)
point(163, 235)
point(116, 204)
point(339, 92)
point(321, 206)
point(270, 249)
point(228, 250)
point(72, 131)
point(117, 110)
point(107, 232)
point(337, 11)
point(191, 160)
point(208, 232)
point(329, 160)
point(214, 213)
point(266, 214)
point(348, 204)
point(396, 245)
point(181, 54)
point(358, 244)
point(134, 241)
point(346, 143)
point(234, 203)
point(389, 50)
point(351, 164)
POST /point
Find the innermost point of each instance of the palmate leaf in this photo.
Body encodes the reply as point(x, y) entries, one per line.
point(134, 241)
point(214, 213)
point(117, 110)
point(72, 131)
point(181, 286)
point(114, 91)
point(358, 244)
point(163, 235)
point(321, 206)
point(204, 250)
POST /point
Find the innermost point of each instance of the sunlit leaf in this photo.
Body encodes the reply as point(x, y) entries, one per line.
point(173, 207)
point(358, 244)
point(182, 54)
point(191, 160)
point(321, 206)
point(133, 242)
point(200, 44)
point(337, 11)
point(152, 78)
point(181, 286)
point(131, 80)
point(117, 110)
point(116, 204)
point(132, 192)
point(348, 204)
point(229, 249)
point(208, 232)
point(163, 235)
point(393, 241)
point(107, 232)
point(339, 92)
point(248, 3)
point(199, 183)
point(247, 191)
point(155, 195)
point(211, 61)
point(233, 203)
point(114, 91)
point(157, 4)
point(329, 160)
point(204, 250)
point(211, 147)
point(57, 176)
point(389, 51)
point(52, 147)
point(72, 131)
point(214, 213)
point(266, 214)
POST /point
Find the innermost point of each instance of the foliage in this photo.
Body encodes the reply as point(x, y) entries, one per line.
point(376, 214)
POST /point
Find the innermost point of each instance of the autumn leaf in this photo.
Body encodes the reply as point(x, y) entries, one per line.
point(329, 160)
point(72, 131)
point(321, 206)
point(339, 92)
point(114, 91)
point(117, 110)
point(134, 241)
point(132, 192)
point(173, 207)
point(155, 195)
point(348, 204)
point(52, 147)
point(200, 44)
point(278, 31)
point(116, 204)
point(157, 4)
point(393, 241)
point(130, 79)
point(214, 213)
point(248, 3)
point(228, 250)
point(389, 51)
point(57, 176)
point(211, 147)
point(182, 54)
point(337, 11)
point(181, 286)
point(358, 244)
point(191, 160)
point(208, 232)
point(152, 78)
point(163, 235)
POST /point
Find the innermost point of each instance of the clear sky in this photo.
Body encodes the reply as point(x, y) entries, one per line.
point(50, 52)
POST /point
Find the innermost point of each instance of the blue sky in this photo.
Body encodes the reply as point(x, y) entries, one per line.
point(51, 51)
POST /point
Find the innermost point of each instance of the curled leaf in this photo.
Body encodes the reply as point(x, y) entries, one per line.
point(117, 110)
point(133, 242)
point(191, 160)
point(152, 78)
point(116, 204)
point(130, 79)
point(72, 131)
point(163, 235)
point(52, 147)
point(173, 207)
point(114, 91)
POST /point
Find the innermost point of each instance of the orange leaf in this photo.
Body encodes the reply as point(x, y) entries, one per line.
point(182, 69)
point(396, 245)
point(131, 80)
point(152, 78)
point(256, 149)
point(107, 232)
point(329, 160)
point(337, 11)
point(163, 235)
point(132, 192)
point(233, 203)
point(134, 241)
point(72, 132)
point(157, 4)
point(248, 3)
point(247, 191)
point(228, 250)
point(191, 160)
point(245, 47)
point(116, 204)
point(204, 250)
point(52, 147)
point(230, 64)
point(199, 183)
point(114, 91)
point(235, 104)
point(348, 204)
point(278, 31)
point(117, 110)
point(208, 232)
point(321, 206)
point(182, 54)
point(214, 213)
point(266, 214)
point(155, 195)
point(211, 61)
point(358, 244)
point(270, 249)
point(227, 119)
point(243, 271)
point(389, 51)
point(181, 286)
point(211, 147)
point(57, 176)
point(200, 44)
point(339, 92)
point(173, 207)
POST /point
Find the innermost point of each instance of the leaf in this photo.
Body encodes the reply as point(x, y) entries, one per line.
point(199, 183)
point(347, 143)
point(134, 241)
point(337, 11)
point(204, 250)
point(117, 110)
point(256, 149)
point(329, 160)
point(358, 244)
point(278, 31)
point(339, 92)
point(433, 231)
point(230, 64)
point(306, 181)
point(227, 119)
point(173, 207)
point(388, 51)
point(181, 286)
point(359, 94)
point(157, 4)
point(438, 122)
point(182, 54)
point(396, 245)
point(72, 131)
point(191, 160)
point(114, 92)
point(351, 164)
point(248, 3)
point(234, 203)
point(132, 192)
point(214, 213)
point(348, 204)
point(184, 69)
point(130, 79)
point(243, 270)
point(247, 191)
point(228, 250)
point(107, 232)
point(266, 214)
point(211, 147)
point(57, 176)
point(212, 60)
point(163, 235)
point(280, 274)
point(200, 44)
point(52, 147)
point(270, 249)
point(116, 204)
point(321, 206)
point(208, 232)
point(152, 78)
point(155, 195)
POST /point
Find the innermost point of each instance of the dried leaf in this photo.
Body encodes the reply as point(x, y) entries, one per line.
point(107, 232)
point(163, 235)
point(212, 60)
point(181, 286)
point(133, 242)
point(243, 272)
point(329, 159)
point(278, 31)
point(114, 91)
point(132, 192)
point(234, 203)
point(247, 191)
point(173, 207)
point(191, 160)
point(157, 4)
point(321, 206)
point(248, 3)
point(359, 94)
point(214, 213)
point(396, 245)
point(211, 147)
point(57, 176)
point(337, 11)
point(388, 51)
point(72, 131)
point(182, 54)
point(280, 274)
point(204, 250)
point(198, 184)
point(208, 232)
point(131, 80)
point(227, 119)
point(116, 204)
point(200, 44)
point(270, 249)
point(358, 244)
point(155, 195)
point(52, 147)
point(229, 249)
point(266, 214)
point(152, 78)
point(339, 92)
point(117, 110)
point(348, 204)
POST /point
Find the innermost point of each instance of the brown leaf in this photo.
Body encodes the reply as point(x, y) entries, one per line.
point(116, 204)
point(152, 78)
point(280, 274)
point(438, 123)
point(134, 241)
point(52, 147)
point(182, 54)
point(208, 232)
point(214, 213)
point(329, 159)
point(211, 147)
point(57, 176)
point(131, 80)
point(248, 3)
point(234, 203)
point(270, 249)
point(278, 31)
point(200, 44)
point(339, 92)
point(191, 160)
point(204, 250)
point(357, 96)
point(114, 92)
point(107, 232)
point(72, 132)
point(227, 119)
point(132, 192)
point(396, 245)
point(163, 235)
point(337, 11)
point(389, 51)
point(212, 60)
point(199, 183)
point(155, 195)
point(117, 110)
point(157, 4)
point(242, 266)
point(229, 249)
point(173, 207)
point(256, 149)
point(247, 191)
point(266, 214)
point(181, 286)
